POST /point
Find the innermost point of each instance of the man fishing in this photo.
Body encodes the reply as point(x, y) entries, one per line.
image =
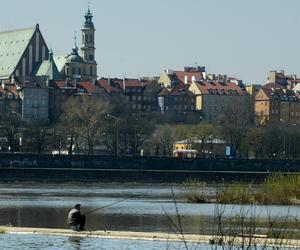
point(76, 220)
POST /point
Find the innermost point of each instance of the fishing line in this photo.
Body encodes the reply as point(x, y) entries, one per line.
point(109, 205)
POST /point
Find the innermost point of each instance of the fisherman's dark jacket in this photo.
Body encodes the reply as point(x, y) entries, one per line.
point(74, 217)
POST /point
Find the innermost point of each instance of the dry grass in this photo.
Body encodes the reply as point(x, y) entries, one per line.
point(195, 191)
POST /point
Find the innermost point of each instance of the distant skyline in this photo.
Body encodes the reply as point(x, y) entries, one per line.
point(135, 38)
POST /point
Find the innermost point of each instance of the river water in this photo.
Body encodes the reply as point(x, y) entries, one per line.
point(146, 208)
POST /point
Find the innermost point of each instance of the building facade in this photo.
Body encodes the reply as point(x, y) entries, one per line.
point(275, 103)
point(212, 98)
point(35, 101)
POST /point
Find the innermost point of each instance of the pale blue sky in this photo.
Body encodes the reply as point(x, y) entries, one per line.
point(242, 38)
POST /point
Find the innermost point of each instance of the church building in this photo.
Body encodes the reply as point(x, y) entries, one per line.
point(81, 66)
point(24, 55)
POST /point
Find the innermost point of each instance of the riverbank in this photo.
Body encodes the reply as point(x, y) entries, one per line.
point(258, 240)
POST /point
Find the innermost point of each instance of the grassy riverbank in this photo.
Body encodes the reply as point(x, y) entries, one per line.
point(278, 189)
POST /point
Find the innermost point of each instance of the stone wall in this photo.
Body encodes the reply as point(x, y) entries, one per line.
point(135, 169)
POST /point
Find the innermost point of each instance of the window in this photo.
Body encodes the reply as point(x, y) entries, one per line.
point(79, 71)
point(73, 71)
point(87, 38)
point(91, 57)
point(91, 38)
point(91, 70)
point(67, 71)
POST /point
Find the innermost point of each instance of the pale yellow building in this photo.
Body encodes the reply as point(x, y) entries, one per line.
point(213, 97)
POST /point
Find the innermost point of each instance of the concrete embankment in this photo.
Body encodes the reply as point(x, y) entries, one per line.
point(31, 167)
point(260, 240)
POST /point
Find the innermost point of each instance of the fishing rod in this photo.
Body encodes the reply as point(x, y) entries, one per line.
point(109, 205)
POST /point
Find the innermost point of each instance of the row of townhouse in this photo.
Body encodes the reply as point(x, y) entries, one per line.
point(278, 100)
point(192, 90)
point(180, 92)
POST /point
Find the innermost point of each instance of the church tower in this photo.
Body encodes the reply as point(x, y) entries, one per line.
point(88, 46)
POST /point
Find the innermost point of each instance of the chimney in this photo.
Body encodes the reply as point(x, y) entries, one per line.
point(124, 84)
point(272, 77)
point(94, 81)
point(193, 78)
point(3, 85)
point(13, 79)
point(108, 80)
point(201, 69)
point(185, 79)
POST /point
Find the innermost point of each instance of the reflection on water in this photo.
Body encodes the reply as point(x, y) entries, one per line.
point(45, 205)
point(37, 242)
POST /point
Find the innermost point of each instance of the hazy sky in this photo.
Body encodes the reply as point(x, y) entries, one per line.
point(242, 38)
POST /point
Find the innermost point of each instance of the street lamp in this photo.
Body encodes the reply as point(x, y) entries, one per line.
point(284, 137)
point(16, 141)
point(117, 119)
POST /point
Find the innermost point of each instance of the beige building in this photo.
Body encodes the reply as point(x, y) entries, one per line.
point(170, 78)
point(274, 103)
point(212, 98)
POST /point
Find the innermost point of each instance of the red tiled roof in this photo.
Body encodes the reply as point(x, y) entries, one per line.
point(88, 86)
point(218, 88)
point(118, 83)
point(12, 89)
point(103, 83)
point(9, 90)
point(62, 84)
point(181, 75)
point(164, 92)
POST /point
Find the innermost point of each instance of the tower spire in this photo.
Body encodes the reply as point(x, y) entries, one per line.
point(88, 44)
point(75, 39)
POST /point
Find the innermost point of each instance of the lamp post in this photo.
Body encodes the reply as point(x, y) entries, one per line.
point(117, 119)
point(18, 141)
point(284, 137)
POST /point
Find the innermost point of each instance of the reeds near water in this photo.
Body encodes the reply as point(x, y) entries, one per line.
point(278, 189)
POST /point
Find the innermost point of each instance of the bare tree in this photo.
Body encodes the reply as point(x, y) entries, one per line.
point(234, 122)
point(85, 117)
